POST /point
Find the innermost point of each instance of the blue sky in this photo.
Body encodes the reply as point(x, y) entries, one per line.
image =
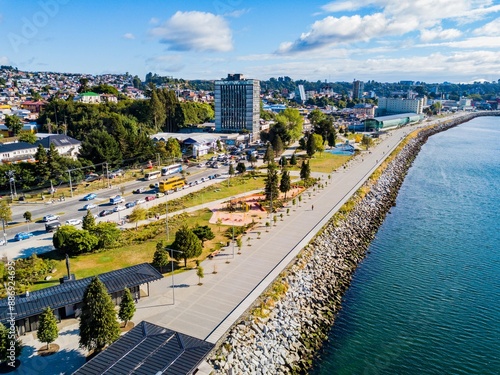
point(383, 40)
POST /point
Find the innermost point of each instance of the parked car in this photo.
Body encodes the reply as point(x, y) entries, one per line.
point(23, 236)
point(139, 190)
point(119, 208)
point(73, 222)
point(89, 206)
point(3, 242)
point(130, 204)
point(105, 213)
point(89, 197)
point(50, 217)
point(52, 226)
point(150, 198)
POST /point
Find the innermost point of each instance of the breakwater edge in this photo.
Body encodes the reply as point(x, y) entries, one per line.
point(285, 338)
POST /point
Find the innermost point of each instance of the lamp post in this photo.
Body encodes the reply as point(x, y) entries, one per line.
point(12, 184)
point(172, 266)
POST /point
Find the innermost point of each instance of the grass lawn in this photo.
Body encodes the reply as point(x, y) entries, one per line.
point(323, 163)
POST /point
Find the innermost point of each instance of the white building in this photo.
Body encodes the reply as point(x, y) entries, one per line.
point(400, 105)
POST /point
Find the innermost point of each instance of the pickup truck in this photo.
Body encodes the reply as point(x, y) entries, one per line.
point(116, 200)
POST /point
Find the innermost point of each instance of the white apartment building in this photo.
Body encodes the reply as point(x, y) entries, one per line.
point(400, 105)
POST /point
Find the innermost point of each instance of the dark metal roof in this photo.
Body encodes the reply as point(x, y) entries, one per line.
point(71, 292)
point(149, 349)
point(59, 140)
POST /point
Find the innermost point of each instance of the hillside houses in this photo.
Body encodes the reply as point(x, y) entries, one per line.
point(16, 152)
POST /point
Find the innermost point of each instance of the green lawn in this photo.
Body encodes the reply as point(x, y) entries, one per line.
point(322, 162)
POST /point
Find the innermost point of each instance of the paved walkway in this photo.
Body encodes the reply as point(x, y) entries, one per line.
point(233, 281)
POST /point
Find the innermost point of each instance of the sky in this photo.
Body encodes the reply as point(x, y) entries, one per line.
point(382, 40)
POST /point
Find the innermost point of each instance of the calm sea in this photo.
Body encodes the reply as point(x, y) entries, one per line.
point(426, 300)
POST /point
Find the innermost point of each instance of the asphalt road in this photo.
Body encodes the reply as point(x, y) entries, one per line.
point(72, 208)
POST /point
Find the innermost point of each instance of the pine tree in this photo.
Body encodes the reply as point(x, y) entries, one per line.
point(47, 327)
point(305, 170)
point(160, 258)
point(285, 184)
point(269, 155)
point(278, 146)
point(98, 324)
point(127, 307)
point(293, 160)
point(187, 244)
point(272, 182)
point(88, 222)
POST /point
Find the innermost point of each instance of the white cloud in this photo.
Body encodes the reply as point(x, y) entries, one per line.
point(389, 18)
point(333, 30)
point(4, 60)
point(428, 35)
point(490, 29)
point(195, 31)
point(154, 21)
point(128, 36)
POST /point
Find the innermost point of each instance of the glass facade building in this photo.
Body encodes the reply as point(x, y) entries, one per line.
point(237, 104)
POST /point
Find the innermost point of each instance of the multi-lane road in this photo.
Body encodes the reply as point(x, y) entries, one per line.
point(72, 208)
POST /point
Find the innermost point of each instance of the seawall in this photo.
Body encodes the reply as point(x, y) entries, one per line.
point(286, 339)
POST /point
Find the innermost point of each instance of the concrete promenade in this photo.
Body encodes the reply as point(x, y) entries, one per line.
point(233, 281)
point(209, 310)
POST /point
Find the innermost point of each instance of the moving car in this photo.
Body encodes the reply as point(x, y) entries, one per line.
point(50, 217)
point(139, 190)
point(23, 236)
point(105, 213)
point(52, 226)
point(89, 206)
point(119, 208)
point(90, 196)
point(159, 194)
point(116, 199)
point(150, 198)
point(73, 222)
point(140, 201)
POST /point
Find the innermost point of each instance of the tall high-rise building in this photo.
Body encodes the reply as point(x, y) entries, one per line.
point(237, 104)
point(357, 89)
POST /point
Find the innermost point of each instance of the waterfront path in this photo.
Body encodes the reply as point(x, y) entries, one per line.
point(207, 311)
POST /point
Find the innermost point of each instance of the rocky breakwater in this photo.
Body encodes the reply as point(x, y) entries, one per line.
point(284, 337)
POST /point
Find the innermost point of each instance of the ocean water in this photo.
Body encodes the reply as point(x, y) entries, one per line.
point(426, 300)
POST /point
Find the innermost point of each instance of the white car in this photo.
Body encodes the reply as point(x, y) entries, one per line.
point(89, 206)
point(50, 217)
point(140, 201)
point(73, 222)
point(119, 208)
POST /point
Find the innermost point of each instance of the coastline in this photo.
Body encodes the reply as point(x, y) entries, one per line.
point(287, 339)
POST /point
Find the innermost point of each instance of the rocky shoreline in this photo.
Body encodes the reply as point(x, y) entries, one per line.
point(286, 340)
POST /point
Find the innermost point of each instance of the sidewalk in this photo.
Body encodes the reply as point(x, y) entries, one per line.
point(233, 281)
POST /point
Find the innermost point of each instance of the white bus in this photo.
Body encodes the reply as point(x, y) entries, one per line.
point(151, 175)
point(171, 169)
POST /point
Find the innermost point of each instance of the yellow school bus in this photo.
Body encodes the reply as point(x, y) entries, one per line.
point(172, 183)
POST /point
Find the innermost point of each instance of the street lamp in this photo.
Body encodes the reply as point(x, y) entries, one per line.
point(12, 183)
point(172, 269)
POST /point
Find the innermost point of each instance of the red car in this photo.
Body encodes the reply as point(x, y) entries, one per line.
point(150, 198)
